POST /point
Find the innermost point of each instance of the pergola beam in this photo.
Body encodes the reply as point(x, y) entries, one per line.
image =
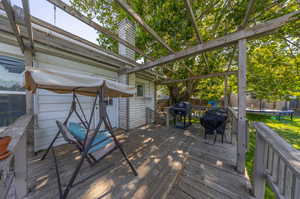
point(198, 77)
point(193, 20)
point(247, 14)
point(11, 16)
point(249, 33)
point(27, 18)
point(146, 27)
point(71, 11)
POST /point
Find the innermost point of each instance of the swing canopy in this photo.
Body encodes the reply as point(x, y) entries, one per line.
point(69, 82)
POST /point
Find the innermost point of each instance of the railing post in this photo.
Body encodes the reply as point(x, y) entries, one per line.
point(155, 102)
point(226, 91)
point(167, 111)
point(20, 164)
point(259, 177)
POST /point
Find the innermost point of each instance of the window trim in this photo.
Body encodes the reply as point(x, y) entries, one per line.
point(5, 92)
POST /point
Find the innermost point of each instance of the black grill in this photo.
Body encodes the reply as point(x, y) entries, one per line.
point(180, 112)
point(214, 122)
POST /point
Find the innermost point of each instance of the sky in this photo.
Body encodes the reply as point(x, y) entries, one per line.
point(44, 10)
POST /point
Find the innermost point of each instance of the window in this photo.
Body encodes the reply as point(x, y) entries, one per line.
point(140, 90)
point(12, 93)
point(108, 101)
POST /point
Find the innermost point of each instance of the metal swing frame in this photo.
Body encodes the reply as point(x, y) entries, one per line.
point(87, 144)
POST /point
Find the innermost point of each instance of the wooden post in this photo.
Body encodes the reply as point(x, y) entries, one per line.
point(20, 164)
point(155, 102)
point(29, 97)
point(241, 143)
point(226, 92)
point(259, 178)
point(167, 111)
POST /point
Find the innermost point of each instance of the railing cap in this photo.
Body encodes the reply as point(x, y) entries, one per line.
point(16, 131)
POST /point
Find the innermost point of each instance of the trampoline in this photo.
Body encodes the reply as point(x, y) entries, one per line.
point(277, 113)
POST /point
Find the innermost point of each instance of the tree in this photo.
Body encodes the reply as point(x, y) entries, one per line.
point(271, 58)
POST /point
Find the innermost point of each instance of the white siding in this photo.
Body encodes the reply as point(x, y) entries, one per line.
point(138, 105)
point(123, 103)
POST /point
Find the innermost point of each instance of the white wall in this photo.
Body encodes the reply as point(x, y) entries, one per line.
point(138, 105)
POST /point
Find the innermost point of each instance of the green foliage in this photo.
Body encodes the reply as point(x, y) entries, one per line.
point(273, 60)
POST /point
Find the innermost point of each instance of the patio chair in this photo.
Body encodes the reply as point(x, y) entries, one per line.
point(75, 134)
point(214, 123)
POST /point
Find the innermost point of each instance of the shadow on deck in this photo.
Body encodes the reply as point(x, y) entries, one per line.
point(171, 163)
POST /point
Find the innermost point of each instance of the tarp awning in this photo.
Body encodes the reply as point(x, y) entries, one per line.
point(68, 82)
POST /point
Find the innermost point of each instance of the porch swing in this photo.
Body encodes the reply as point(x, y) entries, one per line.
point(87, 140)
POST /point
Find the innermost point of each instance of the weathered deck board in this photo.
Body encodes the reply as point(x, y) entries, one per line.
point(171, 163)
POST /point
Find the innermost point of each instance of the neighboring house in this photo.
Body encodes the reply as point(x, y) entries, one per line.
point(48, 106)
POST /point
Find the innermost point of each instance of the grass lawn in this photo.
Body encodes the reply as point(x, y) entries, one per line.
point(287, 129)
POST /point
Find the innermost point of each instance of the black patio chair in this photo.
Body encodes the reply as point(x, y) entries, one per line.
point(214, 123)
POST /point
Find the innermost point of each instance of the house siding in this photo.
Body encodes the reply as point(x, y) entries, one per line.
point(138, 105)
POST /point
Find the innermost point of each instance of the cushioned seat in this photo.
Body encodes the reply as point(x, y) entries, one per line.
point(79, 133)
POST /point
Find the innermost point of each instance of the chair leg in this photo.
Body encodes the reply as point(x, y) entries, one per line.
point(127, 160)
point(69, 186)
point(50, 146)
point(216, 134)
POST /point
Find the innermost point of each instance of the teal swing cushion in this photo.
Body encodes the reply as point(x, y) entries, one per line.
point(79, 133)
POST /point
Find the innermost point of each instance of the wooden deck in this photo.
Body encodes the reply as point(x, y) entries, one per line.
point(171, 163)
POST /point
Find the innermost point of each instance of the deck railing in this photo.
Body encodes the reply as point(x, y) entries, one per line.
point(277, 163)
point(150, 115)
point(233, 126)
point(13, 170)
point(232, 123)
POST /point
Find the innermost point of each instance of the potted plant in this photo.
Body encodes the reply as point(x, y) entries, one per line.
point(4, 142)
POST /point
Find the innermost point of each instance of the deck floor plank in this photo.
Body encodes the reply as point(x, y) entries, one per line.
point(171, 163)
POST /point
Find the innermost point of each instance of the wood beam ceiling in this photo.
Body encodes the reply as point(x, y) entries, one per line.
point(249, 33)
point(197, 77)
point(146, 27)
point(71, 11)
